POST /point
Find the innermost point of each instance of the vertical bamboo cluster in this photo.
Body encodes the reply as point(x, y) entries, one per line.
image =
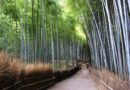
point(39, 33)
point(108, 30)
point(45, 40)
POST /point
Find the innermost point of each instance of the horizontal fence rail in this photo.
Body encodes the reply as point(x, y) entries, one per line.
point(41, 82)
point(102, 83)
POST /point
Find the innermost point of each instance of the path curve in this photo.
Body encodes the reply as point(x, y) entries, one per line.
point(80, 81)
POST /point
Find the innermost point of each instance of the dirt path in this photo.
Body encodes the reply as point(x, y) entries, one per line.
point(80, 81)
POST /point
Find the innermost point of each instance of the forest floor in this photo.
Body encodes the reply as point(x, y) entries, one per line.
point(80, 81)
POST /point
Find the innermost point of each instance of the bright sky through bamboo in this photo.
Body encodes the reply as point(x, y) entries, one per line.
point(67, 11)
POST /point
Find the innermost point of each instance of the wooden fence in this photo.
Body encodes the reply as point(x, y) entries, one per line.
point(41, 82)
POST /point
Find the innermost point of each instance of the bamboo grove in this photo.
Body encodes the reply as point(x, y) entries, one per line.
point(40, 31)
point(106, 23)
point(63, 31)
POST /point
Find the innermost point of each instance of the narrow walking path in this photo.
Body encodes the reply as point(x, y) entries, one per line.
point(80, 81)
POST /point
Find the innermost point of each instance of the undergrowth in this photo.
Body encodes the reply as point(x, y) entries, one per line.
point(12, 70)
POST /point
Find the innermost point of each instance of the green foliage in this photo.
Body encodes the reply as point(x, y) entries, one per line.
point(11, 9)
point(16, 18)
point(8, 33)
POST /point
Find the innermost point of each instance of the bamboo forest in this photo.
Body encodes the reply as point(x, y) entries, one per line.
point(64, 44)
